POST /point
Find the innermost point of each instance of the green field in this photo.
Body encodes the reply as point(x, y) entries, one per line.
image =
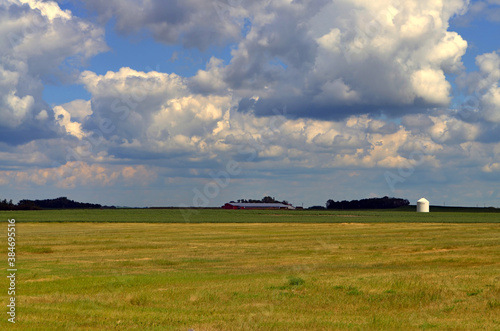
point(443, 215)
point(255, 270)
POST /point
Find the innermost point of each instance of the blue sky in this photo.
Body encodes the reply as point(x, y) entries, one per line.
point(173, 103)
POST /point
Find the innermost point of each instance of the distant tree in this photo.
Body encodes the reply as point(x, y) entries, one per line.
point(372, 203)
point(59, 203)
point(268, 199)
point(316, 207)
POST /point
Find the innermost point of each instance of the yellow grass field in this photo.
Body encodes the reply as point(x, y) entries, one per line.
point(276, 276)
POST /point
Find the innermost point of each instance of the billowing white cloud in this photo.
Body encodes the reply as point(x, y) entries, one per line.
point(157, 116)
point(15, 109)
point(489, 71)
point(37, 38)
point(63, 118)
point(447, 129)
point(168, 121)
point(483, 89)
point(431, 86)
point(124, 102)
point(49, 9)
point(345, 57)
point(78, 109)
point(323, 59)
point(81, 174)
point(211, 79)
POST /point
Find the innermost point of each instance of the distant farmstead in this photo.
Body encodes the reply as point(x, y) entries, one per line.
point(259, 205)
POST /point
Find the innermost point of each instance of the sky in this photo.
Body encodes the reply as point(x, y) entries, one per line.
point(196, 103)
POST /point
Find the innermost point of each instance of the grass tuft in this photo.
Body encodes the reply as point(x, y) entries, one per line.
point(295, 281)
point(493, 304)
point(139, 300)
point(427, 326)
point(352, 290)
point(37, 250)
point(475, 292)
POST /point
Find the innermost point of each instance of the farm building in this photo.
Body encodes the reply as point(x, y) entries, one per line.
point(423, 205)
point(259, 205)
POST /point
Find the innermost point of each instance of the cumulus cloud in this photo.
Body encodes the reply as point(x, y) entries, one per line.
point(492, 167)
point(159, 116)
point(124, 102)
point(78, 109)
point(37, 38)
point(210, 80)
point(192, 23)
point(15, 109)
point(63, 118)
point(321, 59)
point(480, 10)
point(483, 99)
point(489, 73)
point(170, 121)
point(81, 174)
point(348, 58)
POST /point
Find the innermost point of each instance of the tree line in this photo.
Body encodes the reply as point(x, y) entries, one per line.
point(371, 203)
point(266, 199)
point(65, 203)
point(58, 203)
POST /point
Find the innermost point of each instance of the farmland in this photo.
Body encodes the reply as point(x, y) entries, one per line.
point(256, 270)
point(447, 215)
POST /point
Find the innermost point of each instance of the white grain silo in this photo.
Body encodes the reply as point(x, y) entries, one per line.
point(423, 206)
